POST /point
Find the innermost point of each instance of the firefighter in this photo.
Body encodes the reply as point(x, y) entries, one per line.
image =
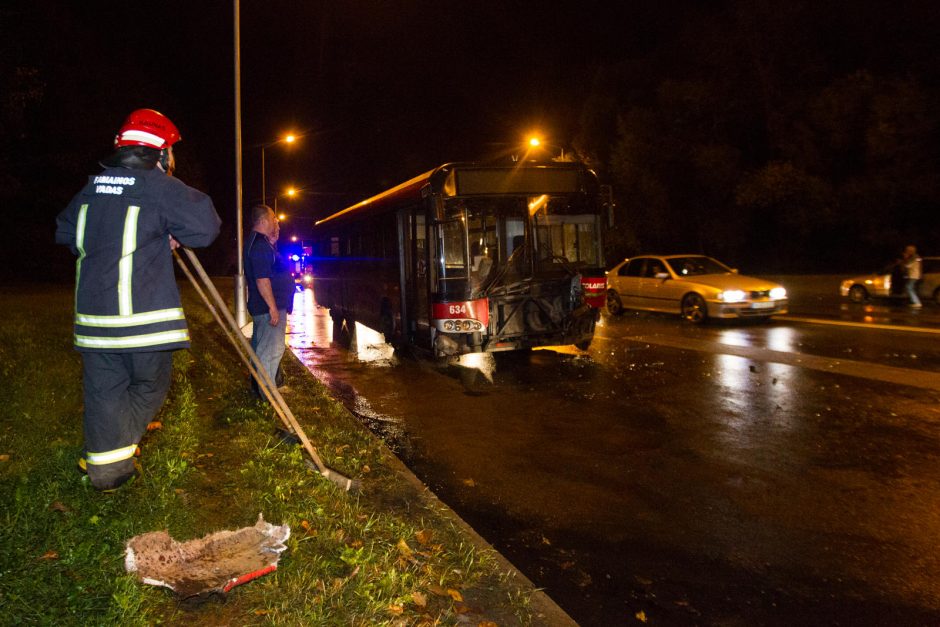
point(128, 317)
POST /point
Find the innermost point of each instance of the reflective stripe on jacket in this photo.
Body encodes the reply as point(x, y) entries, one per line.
point(126, 298)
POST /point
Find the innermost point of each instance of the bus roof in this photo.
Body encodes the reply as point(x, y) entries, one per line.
point(457, 179)
point(403, 189)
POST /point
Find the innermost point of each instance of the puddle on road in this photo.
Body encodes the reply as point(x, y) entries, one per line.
point(335, 353)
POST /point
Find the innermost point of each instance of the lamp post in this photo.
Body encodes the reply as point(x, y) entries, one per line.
point(241, 296)
point(291, 192)
point(290, 138)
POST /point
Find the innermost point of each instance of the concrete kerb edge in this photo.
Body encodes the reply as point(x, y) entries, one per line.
point(544, 609)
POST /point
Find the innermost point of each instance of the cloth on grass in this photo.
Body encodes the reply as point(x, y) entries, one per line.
point(215, 563)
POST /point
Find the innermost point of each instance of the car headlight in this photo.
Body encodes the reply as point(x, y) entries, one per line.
point(732, 296)
point(778, 293)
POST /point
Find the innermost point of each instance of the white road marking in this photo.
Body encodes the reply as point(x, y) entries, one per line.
point(862, 369)
point(860, 325)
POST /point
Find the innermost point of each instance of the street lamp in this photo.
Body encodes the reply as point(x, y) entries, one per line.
point(290, 138)
point(536, 142)
point(290, 191)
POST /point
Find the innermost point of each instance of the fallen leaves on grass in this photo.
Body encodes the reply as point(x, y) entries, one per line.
point(420, 599)
point(424, 536)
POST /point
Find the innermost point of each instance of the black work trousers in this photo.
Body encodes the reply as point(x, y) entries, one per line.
point(123, 393)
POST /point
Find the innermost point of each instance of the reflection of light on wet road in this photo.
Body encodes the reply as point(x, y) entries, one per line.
point(733, 371)
point(343, 361)
point(370, 346)
point(734, 337)
point(778, 338)
point(484, 362)
point(756, 392)
point(310, 325)
point(781, 338)
point(303, 322)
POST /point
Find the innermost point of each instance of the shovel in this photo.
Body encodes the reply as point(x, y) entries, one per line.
point(220, 312)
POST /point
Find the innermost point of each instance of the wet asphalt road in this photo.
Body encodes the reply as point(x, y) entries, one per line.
point(733, 474)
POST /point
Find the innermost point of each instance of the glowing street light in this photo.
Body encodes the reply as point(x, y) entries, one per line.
point(536, 142)
point(290, 138)
point(290, 191)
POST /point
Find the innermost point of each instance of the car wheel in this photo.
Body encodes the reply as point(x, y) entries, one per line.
point(858, 294)
point(694, 309)
point(614, 304)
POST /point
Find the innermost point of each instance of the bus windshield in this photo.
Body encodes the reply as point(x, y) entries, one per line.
point(565, 228)
point(479, 234)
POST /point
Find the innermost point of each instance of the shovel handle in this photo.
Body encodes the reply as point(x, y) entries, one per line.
point(239, 341)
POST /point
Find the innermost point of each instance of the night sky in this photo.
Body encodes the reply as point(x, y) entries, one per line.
point(382, 90)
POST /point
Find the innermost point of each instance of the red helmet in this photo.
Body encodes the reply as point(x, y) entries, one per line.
point(146, 127)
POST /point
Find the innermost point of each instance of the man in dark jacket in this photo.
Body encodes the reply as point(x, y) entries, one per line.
point(270, 289)
point(128, 316)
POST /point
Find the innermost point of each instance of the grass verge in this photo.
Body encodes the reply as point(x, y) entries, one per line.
point(389, 555)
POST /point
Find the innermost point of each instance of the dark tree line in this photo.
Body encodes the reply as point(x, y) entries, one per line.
point(794, 136)
point(779, 136)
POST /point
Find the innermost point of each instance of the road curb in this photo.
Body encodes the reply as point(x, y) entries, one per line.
point(545, 611)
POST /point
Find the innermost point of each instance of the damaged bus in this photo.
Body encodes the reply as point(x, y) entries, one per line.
point(469, 258)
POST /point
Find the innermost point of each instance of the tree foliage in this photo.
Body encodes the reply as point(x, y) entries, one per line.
point(762, 131)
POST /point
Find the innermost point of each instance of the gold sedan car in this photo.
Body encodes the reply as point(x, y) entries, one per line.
point(695, 286)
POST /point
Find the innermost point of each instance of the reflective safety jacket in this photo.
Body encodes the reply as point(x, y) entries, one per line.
point(126, 299)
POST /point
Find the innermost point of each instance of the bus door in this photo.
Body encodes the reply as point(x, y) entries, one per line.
point(416, 276)
point(514, 249)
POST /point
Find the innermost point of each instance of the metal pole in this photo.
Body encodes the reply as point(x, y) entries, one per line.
point(241, 308)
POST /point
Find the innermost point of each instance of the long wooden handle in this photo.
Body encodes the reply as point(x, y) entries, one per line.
point(228, 332)
point(264, 380)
